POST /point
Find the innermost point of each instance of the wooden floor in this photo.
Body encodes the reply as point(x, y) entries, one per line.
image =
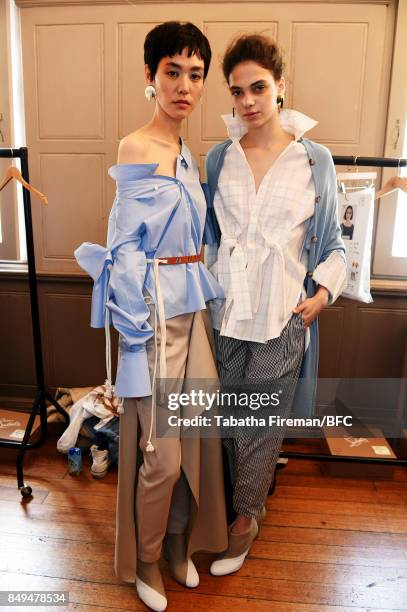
point(327, 543)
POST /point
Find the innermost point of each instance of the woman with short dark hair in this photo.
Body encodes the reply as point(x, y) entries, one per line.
point(156, 287)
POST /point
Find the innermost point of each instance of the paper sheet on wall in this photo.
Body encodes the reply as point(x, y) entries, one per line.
point(355, 210)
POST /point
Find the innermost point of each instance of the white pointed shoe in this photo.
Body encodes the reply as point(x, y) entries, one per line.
point(152, 598)
point(192, 579)
point(182, 567)
point(149, 585)
point(239, 546)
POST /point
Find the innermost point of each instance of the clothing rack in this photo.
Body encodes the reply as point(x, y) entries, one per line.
point(381, 162)
point(41, 394)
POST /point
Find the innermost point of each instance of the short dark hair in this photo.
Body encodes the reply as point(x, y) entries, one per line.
point(172, 37)
point(256, 48)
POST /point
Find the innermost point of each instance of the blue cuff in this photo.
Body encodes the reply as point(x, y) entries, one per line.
point(133, 376)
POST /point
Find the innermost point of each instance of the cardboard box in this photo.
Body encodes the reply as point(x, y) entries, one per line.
point(14, 423)
point(339, 443)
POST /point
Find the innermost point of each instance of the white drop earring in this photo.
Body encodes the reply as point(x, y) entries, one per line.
point(150, 92)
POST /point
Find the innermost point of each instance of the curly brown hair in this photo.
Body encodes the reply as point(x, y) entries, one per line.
point(256, 48)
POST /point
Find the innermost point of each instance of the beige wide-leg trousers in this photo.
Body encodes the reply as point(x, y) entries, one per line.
point(164, 493)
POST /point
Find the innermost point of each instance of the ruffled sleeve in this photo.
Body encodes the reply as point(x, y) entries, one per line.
point(119, 272)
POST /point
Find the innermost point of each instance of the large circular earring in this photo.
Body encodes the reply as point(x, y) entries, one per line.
point(150, 92)
point(280, 101)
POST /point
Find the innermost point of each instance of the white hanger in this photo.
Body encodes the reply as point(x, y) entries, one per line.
point(354, 176)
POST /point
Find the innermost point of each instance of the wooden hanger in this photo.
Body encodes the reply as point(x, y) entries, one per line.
point(395, 182)
point(13, 172)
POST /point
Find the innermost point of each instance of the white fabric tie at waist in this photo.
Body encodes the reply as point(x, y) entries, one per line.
point(239, 274)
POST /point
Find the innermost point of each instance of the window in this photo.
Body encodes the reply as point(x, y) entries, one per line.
point(390, 254)
point(12, 234)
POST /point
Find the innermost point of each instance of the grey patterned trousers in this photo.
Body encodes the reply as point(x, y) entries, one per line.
point(252, 451)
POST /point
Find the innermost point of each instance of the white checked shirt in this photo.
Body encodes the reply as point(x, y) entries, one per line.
point(259, 261)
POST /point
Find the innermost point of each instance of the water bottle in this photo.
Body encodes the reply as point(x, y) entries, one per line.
point(75, 461)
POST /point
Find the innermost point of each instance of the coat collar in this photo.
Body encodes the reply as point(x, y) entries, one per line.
point(291, 121)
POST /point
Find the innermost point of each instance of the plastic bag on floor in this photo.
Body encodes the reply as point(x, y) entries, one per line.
point(94, 403)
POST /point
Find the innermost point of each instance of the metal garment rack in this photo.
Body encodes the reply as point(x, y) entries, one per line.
point(382, 162)
point(41, 394)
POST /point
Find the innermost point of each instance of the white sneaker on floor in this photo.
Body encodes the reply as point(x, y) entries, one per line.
point(100, 462)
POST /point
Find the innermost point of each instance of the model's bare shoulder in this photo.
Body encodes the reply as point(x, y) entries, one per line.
point(133, 149)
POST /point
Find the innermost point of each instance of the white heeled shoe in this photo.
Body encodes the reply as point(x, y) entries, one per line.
point(182, 567)
point(149, 585)
point(192, 579)
point(152, 598)
point(233, 558)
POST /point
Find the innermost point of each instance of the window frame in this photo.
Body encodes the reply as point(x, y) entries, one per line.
point(384, 265)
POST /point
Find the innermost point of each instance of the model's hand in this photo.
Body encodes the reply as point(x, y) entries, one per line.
point(311, 307)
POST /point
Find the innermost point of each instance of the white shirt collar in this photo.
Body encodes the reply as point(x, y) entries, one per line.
point(291, 121)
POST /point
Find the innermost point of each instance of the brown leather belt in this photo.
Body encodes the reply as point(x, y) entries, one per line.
point(182, 259)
